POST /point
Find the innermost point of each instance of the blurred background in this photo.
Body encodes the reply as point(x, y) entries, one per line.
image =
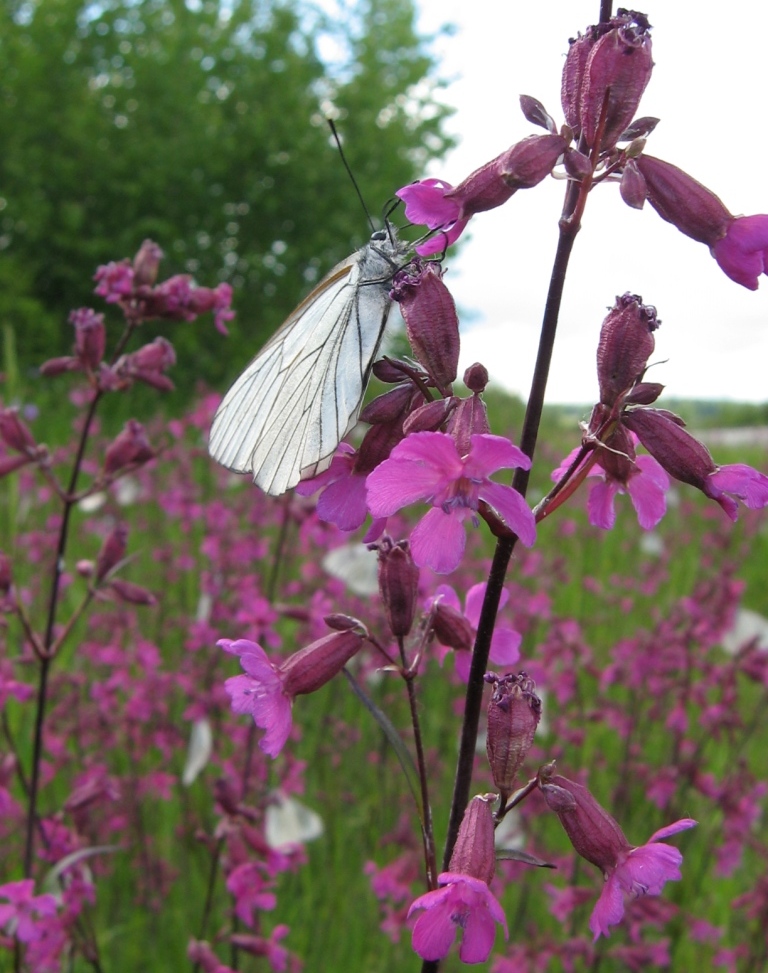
point(202, 125)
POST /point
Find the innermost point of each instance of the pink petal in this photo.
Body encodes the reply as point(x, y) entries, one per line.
point(742, 252)
point(512, 508)
point(479, 934)
point(647, 868)
point(565, 465)
point(344, 503)
point(397, 483)
point(682, 825)
point(434, 931)
point(438, 540)
point(608, 910)
point(442, 239)
point(743, 482)
point(600, 506)
point(473, 604)
point(648, 495)
point(490, 453)
point(341, 465)
point(505, 646)
point(426, 205)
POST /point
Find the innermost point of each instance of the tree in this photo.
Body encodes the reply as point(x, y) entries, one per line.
point(203, 126)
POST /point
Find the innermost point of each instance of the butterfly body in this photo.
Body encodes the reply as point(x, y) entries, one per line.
point(285, 415)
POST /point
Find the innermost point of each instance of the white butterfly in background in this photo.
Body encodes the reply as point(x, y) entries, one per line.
point(284, 417)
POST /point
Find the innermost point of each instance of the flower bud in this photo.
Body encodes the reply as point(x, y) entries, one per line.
point(6, 576)
point(536, 113)
point(58, 366)
point(682, 201)
point(594, 834)
point(398, 584)
point(577, 165)
point(626, 343)
point(476, 377)
point(528, 162)
point(146, 263)
point(469, 418)
point(618, 69)
point(430, 416)
point(129, 448)
point(474, 853)
point(514, 712)
point(90, 337)
point(644, 393)
point(632, 187)
point(340, 622)
point(451, 628)
point(389, 406)
point(15, 433)
point(431, 321)
point(132, 594)
point(112, 551)
point(682, 456)
point(316, 664)
point(573, 77)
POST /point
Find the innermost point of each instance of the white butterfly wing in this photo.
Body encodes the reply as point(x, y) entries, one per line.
point(284, 417)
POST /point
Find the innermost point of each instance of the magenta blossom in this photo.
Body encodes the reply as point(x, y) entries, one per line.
point(23, 916)
point(266, 691)
point(464, 903)
point(637, 871)
point(505, 643)
point(426, 204)
point(646, 484)
point(743, 252)
point(427, 466)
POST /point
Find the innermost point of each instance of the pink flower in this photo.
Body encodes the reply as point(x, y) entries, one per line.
point(743, 252)
point(464, 903)
point(596, 836)
point(645, 481)
point(505, 643)
point(25, 909)
point(740, 480)
point(427, 466)
point(426, 205)
point(637, 871)
point(266, 691)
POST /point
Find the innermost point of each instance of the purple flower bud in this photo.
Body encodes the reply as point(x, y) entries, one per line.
point(15, 433)
point(389, 406)
point(618, 69)
point(398, 585)
point(129, 448)
point(451, 628)
point(146, 263)
point(682, 456)
point(577, 165)
point(340, 622)
point(132, 594)
point(573, 77)
point(147, 364)
point(633, 189)
point(58, 366)
point(392, 370)
point(644, 393)
point(476, 377)
point(115, 281)
point(514, 712)
point(429, 417)
point(528, 162)
point(626, 343)
point(640, 128)
point(594, 834)
point(474, 853)
point(90, 337)
point(6, 576)
point(468, 419)
point(430, 318)
point(679, 199)
point(482, 190)
point(316, 664)
point(112, 551)
point(536, 113)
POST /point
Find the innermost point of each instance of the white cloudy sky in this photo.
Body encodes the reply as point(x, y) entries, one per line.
point(708, 88)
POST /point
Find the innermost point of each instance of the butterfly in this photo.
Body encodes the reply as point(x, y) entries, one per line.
point(285, 415)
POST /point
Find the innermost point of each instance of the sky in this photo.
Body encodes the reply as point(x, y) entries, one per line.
point(708, 89)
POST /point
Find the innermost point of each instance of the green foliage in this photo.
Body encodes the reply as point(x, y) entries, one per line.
point(200, 125)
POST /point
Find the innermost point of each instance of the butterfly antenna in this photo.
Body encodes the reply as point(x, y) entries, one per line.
point(336, 138)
